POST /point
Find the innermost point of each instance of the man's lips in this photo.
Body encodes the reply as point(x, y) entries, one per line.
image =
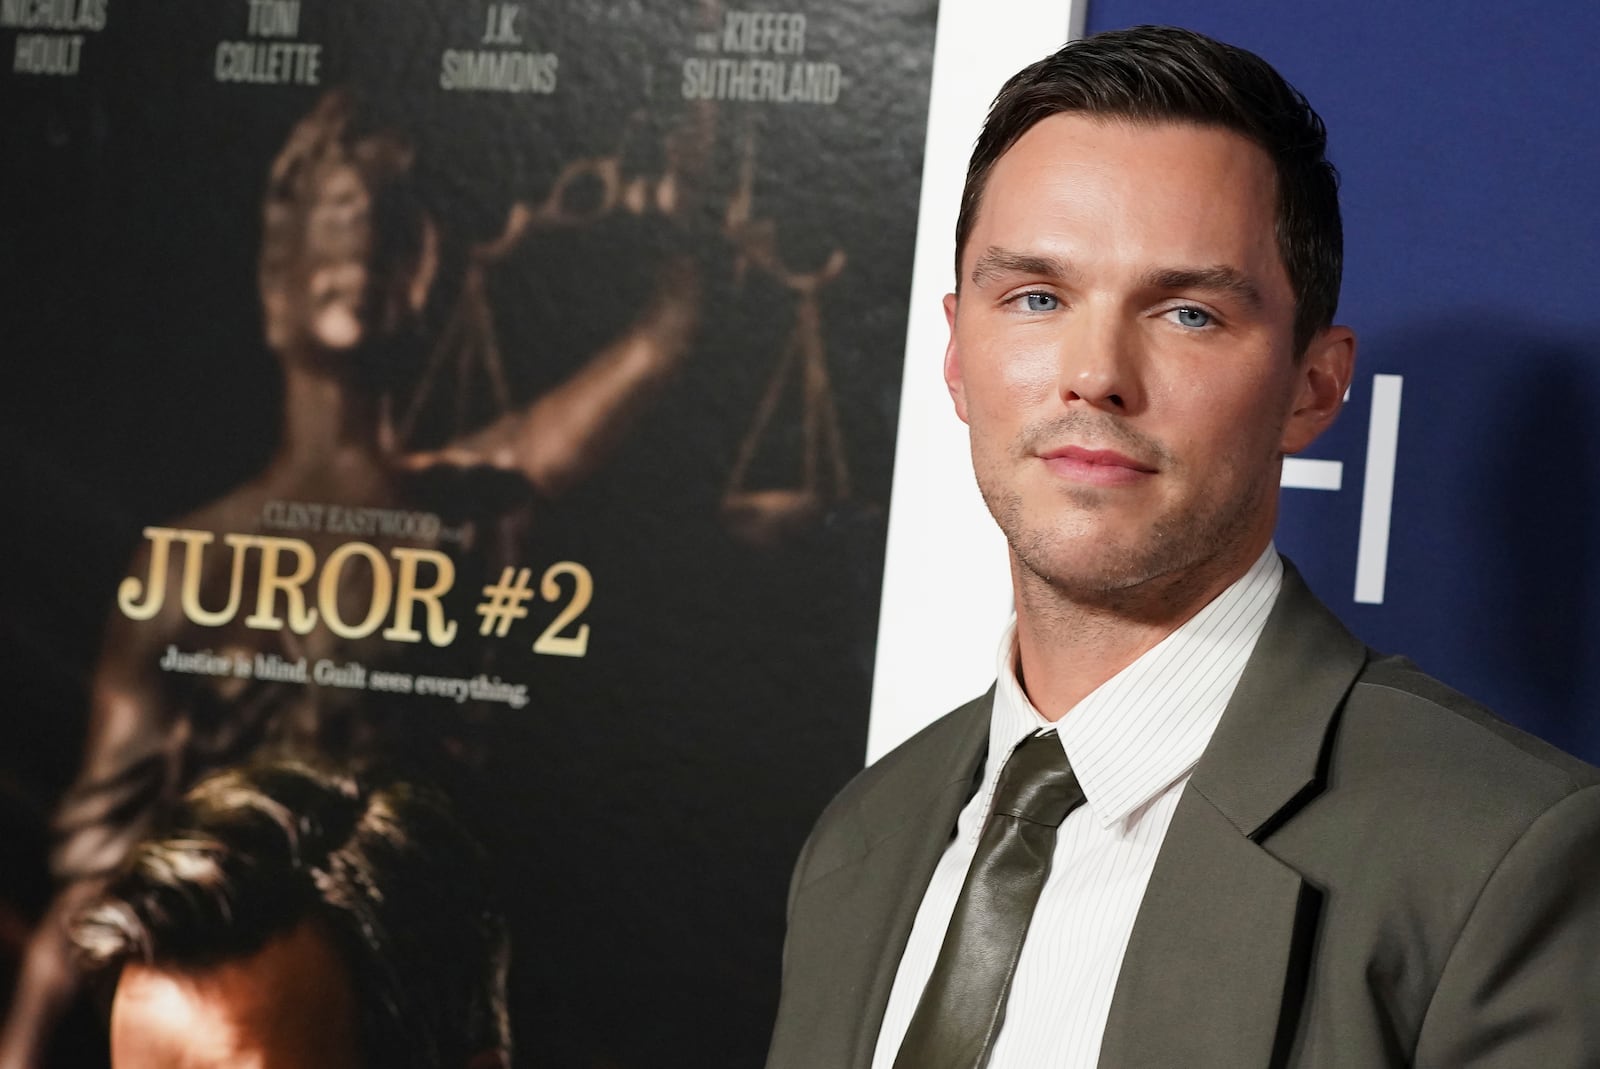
point(1100, 467)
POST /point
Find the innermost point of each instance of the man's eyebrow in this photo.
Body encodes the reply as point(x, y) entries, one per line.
point(1219, 278)
point(997, 262)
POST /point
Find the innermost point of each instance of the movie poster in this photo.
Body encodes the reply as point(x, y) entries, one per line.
point(500, 392)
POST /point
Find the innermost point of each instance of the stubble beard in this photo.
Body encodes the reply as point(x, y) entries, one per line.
point(1156, 571)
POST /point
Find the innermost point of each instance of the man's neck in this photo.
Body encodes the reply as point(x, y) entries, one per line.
point(1067, 646)
point(327, 420)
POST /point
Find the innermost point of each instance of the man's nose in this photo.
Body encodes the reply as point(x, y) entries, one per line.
point(1100, 362)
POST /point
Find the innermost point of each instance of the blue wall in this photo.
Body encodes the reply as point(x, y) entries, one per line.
point(1468, 136)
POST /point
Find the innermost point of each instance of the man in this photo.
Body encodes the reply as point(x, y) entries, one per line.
point(288, 916)
point(1247, 840)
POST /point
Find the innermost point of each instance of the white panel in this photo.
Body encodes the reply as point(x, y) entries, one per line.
point(946, 592)
point(1377, 498)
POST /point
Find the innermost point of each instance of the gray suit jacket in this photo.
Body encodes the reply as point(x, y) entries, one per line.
point(1366, 869)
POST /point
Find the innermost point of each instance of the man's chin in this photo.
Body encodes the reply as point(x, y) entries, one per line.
point(1087, 576)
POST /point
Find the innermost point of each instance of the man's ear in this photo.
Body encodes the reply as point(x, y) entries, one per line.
point(1323, 377)
point(952, 360)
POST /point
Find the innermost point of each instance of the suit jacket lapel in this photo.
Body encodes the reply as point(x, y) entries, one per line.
point(913, 839)
point(1213, 972)
point(1214, 955)
point(863, 899)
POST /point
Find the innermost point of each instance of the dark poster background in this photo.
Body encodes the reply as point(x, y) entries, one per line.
point(644, 807)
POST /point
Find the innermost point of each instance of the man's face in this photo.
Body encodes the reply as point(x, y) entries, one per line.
point(1121, 350)
point(289, 1006)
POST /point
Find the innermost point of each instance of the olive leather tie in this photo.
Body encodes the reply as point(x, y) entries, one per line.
point(964, 1003)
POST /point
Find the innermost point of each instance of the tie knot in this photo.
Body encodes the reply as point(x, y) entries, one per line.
point(1037, 783)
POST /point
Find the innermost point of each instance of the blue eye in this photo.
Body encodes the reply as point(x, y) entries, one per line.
point(1192, 317)
point(1040, 302)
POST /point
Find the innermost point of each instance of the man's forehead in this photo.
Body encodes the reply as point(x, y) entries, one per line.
point(1197, 197)
point(290, 1003)
point(161, 1017)
point(1114, 125)
point(1147, 153)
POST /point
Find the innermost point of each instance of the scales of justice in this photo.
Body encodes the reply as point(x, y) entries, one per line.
point(589, 189)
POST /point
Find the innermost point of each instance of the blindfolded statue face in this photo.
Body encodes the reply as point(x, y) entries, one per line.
point(347, 254)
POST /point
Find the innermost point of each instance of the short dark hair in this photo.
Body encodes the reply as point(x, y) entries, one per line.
point(1153, 74)
point(385, 870)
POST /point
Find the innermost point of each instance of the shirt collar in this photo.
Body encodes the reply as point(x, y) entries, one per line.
point(1145, 728)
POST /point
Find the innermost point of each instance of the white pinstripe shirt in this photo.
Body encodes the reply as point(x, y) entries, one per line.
point(1133, 743)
